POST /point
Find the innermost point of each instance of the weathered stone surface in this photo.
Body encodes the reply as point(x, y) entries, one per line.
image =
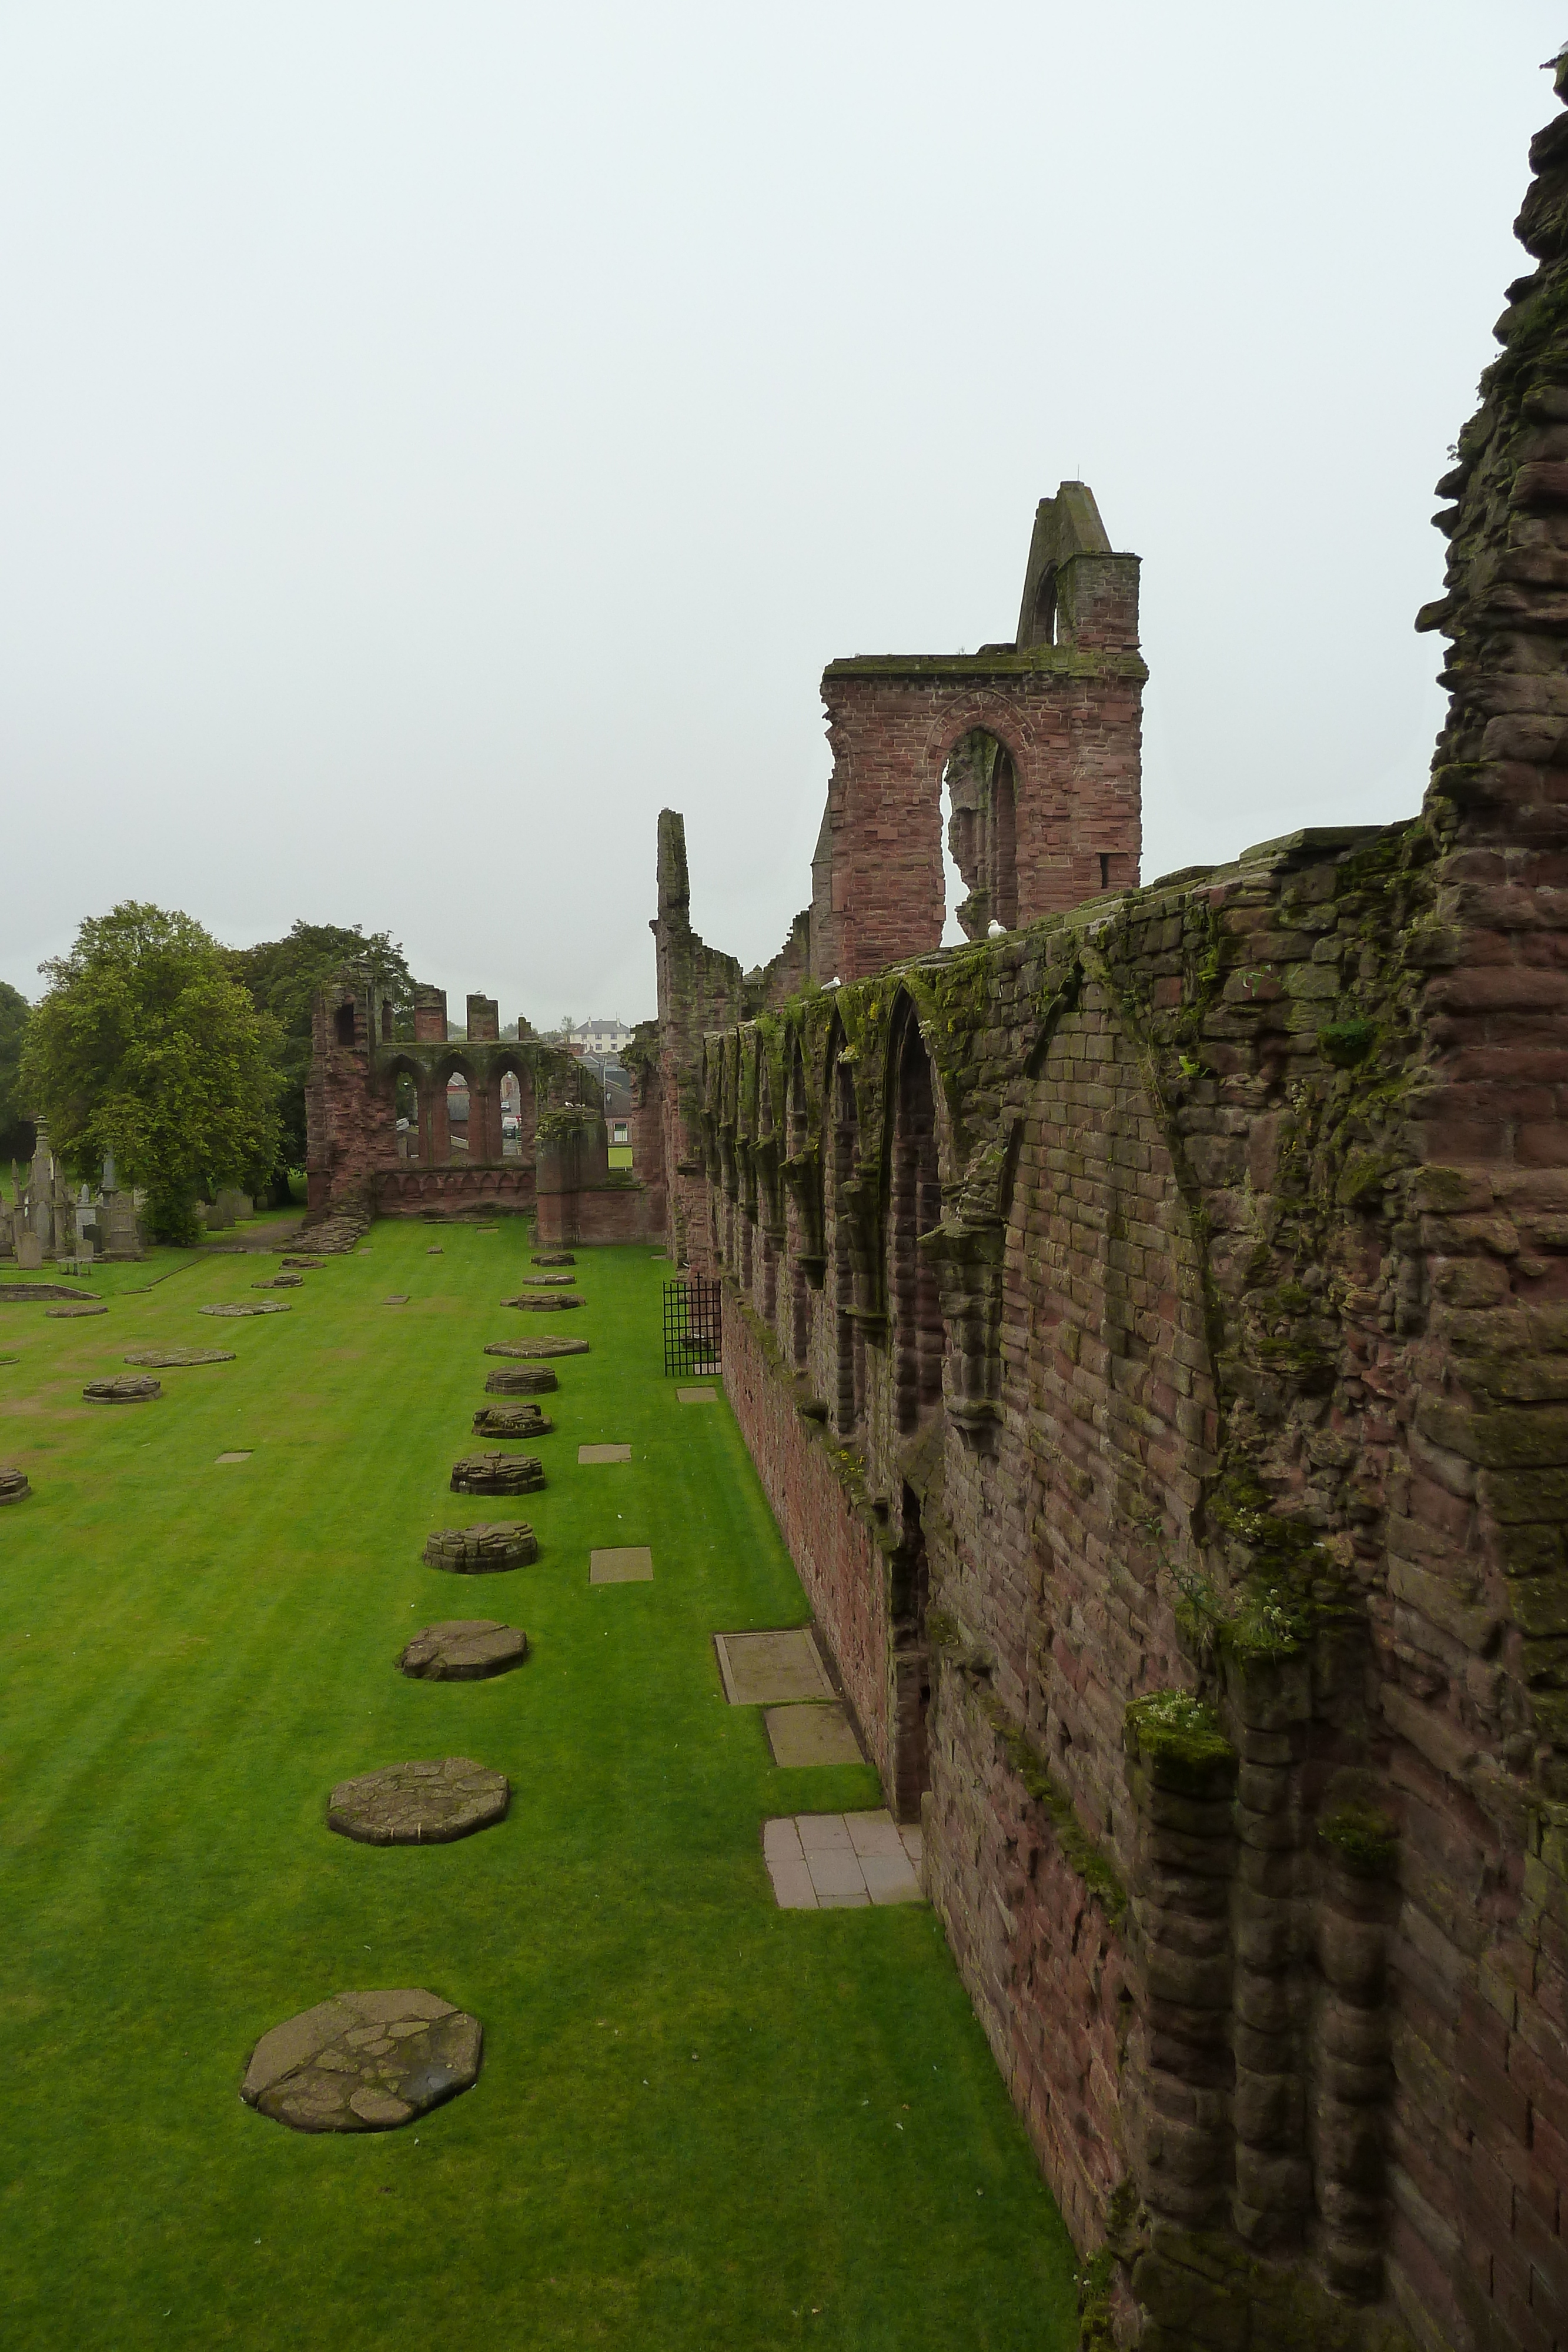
point(363, 2062)
point(78, 1307)
point(463, 1650)
point(589, 1455)
point(544, 1347)
point(25, 1293)
point(542, 1302)
point(280, 1282)
point(482, 1550)
point(621, 1564)
point(811, 1735)
point(261, 1307)
point(170, 1357)
point(497, 1473)
point(14, 1487)
point(431, 1803)
point(553, 1257)
point(771, 1669)
point(311, 1265)
point(124, 1388)
point(524, 1380)
point(511, 1420)
point(551, 1282)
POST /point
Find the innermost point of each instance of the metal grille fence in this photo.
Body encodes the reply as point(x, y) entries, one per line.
point(692, 1326)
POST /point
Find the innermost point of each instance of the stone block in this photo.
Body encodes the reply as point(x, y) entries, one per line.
point(808, 1735)
point(621, 1564)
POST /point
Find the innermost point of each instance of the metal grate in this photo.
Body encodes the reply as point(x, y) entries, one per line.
point(692, 1326)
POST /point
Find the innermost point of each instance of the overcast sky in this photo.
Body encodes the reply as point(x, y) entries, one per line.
point(433, 439)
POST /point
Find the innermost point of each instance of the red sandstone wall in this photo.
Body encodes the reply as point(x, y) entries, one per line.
point(839, 1562)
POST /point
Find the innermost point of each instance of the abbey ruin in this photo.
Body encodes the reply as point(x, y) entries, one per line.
point(1150, 1323)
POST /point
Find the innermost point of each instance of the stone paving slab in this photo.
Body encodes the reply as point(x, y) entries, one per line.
point(623, 1564)
point(841, 1862)
point(180, 1356)
point(547, 1346)
point(771, 1669)
point(232, 1457)
point(364, 2061)
point(696, 1396)
point(812, 1734)
point(604, 1454)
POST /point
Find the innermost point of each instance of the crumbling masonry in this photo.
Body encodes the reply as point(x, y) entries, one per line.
point(400, 1127)
point(1150, 1323)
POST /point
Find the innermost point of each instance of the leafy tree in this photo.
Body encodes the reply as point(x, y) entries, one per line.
point(145, 1047)
point(282, 977)
point(17, 1131)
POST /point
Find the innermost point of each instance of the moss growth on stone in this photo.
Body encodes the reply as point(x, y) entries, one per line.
point(1179, 1737)
point(1346, 1044)
point(1082, 1857)
point(1363, 1838)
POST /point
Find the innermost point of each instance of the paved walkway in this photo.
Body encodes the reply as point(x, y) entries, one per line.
point(841, 1862)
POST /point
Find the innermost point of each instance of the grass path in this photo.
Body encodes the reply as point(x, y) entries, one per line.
point(701, 2123)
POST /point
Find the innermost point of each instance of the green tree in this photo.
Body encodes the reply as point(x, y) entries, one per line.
point(281, 977)
point(144, 1045)
point(17, 1131)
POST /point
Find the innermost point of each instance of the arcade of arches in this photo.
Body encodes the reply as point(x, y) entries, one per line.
point(1148, 1323)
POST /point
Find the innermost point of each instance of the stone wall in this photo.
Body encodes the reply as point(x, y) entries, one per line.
point(1151, 1327)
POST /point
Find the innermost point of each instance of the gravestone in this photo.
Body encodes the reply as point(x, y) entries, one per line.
point(463, 1650)
point(497, 1473)
point(14, 1487)
point(511, 1420)
point(696, 1396)
point(172, 1357)
point(524, 1380)
point(547, 1346)
point(771, 1669)
point(363, 2062)
point(223, 1458)
point(810, 1735)
point(124, 1388)
point(29, 1252)
point(432, 1803)
point(482, 1550)
point(621, 1564)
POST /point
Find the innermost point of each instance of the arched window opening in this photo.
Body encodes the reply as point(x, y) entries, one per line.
point(798, 1130)
point(914, 1206)
point(979, 838)
point(799, 1313)
point(1044, 630)
point(511, 1116)
point(458, 1115)
point(849, 1339)
point(343, 1024)
point(405, 1115)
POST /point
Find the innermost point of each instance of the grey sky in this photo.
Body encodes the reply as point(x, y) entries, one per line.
point(433, 438)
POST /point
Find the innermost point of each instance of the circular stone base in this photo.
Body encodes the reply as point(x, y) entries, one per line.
point(419, 1804)
point(125, 1388)
point(548, 1346)
point(280, 1282)
point(76, 1307)
point(482, 1550)
point(551, 1282)
point(463, 1650)
point(497, 1473)
point(315, 1264)
point(525, 1380)
point(511, 1420)
point(167, 1358)
point(262, 1307)
point(14, 1487)
point(552, 1258)
point(541, 1302)
point(363, 2062)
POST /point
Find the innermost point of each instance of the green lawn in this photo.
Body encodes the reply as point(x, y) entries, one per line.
point(702, 2122)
